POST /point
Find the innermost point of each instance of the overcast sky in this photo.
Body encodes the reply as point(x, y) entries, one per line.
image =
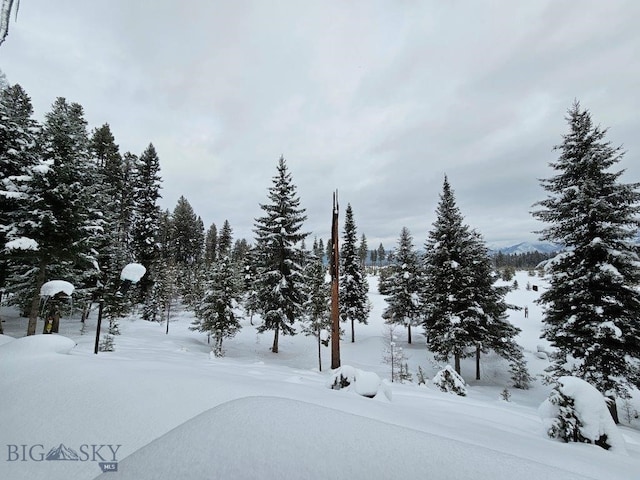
point(376, 99)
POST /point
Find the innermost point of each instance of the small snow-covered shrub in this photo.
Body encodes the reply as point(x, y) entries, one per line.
point(505, 395)
point(629, 412)
point(576, 412)
point(342, 377)
point(448, 380)
point(520, 374)
point(107, 344)
point(367, 384)
point(422, 380)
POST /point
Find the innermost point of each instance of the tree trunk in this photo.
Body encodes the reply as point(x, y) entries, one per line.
point(276, 332)
point(1, 330)
point(613, 409)
point(409, 333)
point(85, 311)
point(35, 301)
point(319, 353)
point(353, 331)
point(56, 321)
point(477, 362)
point(456, 362)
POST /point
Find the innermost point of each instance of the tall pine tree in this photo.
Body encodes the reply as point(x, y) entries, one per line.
point(404, 285)
point(463, 309)
point(279, 282)
point(63, 217)
point(18, 156)
point(354, 288)
point(592, 306)
point(147, 184)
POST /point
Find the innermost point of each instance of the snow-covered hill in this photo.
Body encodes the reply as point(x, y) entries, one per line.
point(525, 247)
point(160, 407)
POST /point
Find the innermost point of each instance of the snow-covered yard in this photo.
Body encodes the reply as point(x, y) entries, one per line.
point(161, 407)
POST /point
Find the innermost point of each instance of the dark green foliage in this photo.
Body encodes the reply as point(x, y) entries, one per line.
point(463, 309)
point(317, 304)
point(225, 239)
point(215, 312)
point(279, 284)
point(186, 235)
point(592, 306)
point(18, 155)
point(211, 245)
point(404, 285)
point(146, 226)
point(520, 261)
point(354, 288)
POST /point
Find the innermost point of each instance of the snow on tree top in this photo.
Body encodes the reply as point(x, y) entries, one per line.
point(53, 287)
point(133, 272)
point(22, 243)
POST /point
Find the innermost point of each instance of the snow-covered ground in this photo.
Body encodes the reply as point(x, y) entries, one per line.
point(161, 407)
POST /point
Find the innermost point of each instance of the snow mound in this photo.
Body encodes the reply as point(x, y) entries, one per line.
point(133, 272)
point(367, 384)
point(53, 287)
point(590, 410)
point(5, 339)
point(278, 438)
point(36, 345)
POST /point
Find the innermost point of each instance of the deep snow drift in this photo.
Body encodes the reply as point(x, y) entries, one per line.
point(161, 407)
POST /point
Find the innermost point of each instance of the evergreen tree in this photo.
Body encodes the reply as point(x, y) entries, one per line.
point(404, 285)
point(211, 245)
point(279, 282)
point(18, 155)
point(147, 186)
point(381, 254)
point(113, 239)
point(216, 312)
point(354, 289)
point(317, 305)
point(240, 251)
point(592, 304)
point(225, 239)
point(463, 309)
point(63, 222)
point(187, 236)
point(363, 249)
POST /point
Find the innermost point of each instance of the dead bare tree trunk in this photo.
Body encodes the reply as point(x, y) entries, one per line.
point(335, 261)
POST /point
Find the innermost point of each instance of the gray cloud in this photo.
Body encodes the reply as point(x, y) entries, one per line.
point(377, 99)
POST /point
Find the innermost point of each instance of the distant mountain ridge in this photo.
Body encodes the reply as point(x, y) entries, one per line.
point(526, 247)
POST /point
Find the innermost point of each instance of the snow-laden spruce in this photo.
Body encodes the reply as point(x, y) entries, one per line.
point(464, 311)
point(279, 280)
point(354, 304)
point(404, 285)
point(592, 306)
